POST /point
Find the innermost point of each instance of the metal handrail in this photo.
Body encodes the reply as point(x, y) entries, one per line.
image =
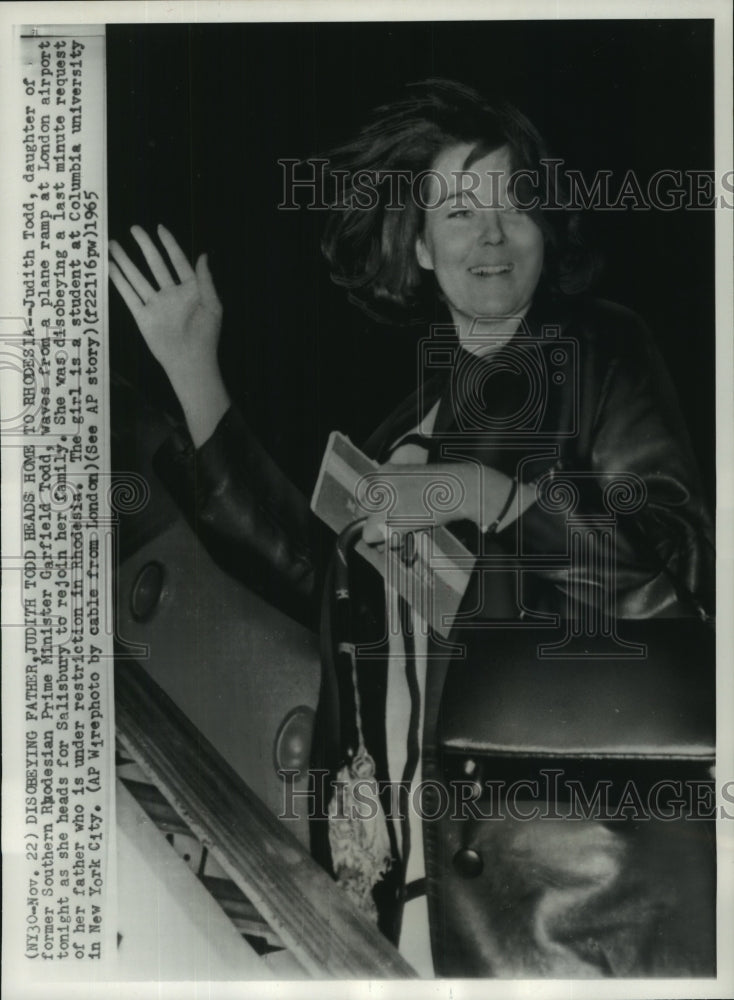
point(311, 914)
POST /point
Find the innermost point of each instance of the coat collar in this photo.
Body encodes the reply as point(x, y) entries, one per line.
point(545, 311)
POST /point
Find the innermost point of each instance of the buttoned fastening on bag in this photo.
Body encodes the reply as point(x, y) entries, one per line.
point(468, 863)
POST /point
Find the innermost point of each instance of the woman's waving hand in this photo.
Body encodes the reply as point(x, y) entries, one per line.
point(180, 320)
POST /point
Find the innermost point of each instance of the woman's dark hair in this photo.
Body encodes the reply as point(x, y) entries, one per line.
point(369, 240)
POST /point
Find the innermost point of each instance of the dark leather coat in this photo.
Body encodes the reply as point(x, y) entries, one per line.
point(588, 413)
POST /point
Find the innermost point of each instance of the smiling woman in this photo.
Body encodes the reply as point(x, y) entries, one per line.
point(433, 137)
point(580, 504)
point(487, 255)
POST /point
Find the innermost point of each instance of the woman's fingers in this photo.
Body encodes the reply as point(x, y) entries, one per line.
point(177, 257)
point(153, 257)
point(129, 297)
point(133, 275)
point(374, 531)
point(159, 268)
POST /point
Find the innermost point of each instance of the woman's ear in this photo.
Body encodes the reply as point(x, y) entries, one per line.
point(423, 254)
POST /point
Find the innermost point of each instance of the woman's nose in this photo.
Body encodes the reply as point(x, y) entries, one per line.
point(492, 231)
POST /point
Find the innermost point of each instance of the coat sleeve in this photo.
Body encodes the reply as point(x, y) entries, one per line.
point(252, 519)
point(637, 455)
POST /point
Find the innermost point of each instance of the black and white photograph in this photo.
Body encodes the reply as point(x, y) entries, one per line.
point(412, 341)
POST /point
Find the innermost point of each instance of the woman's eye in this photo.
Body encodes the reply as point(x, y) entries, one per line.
point(459, 213)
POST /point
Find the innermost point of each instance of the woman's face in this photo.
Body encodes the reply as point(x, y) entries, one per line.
point(486, 255)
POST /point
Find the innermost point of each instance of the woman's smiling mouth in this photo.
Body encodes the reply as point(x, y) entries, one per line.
point(487, 270)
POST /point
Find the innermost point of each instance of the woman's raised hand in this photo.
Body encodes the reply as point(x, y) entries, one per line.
point(180, 322)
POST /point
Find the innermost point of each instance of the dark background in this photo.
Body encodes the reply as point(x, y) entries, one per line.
point(199, 115)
